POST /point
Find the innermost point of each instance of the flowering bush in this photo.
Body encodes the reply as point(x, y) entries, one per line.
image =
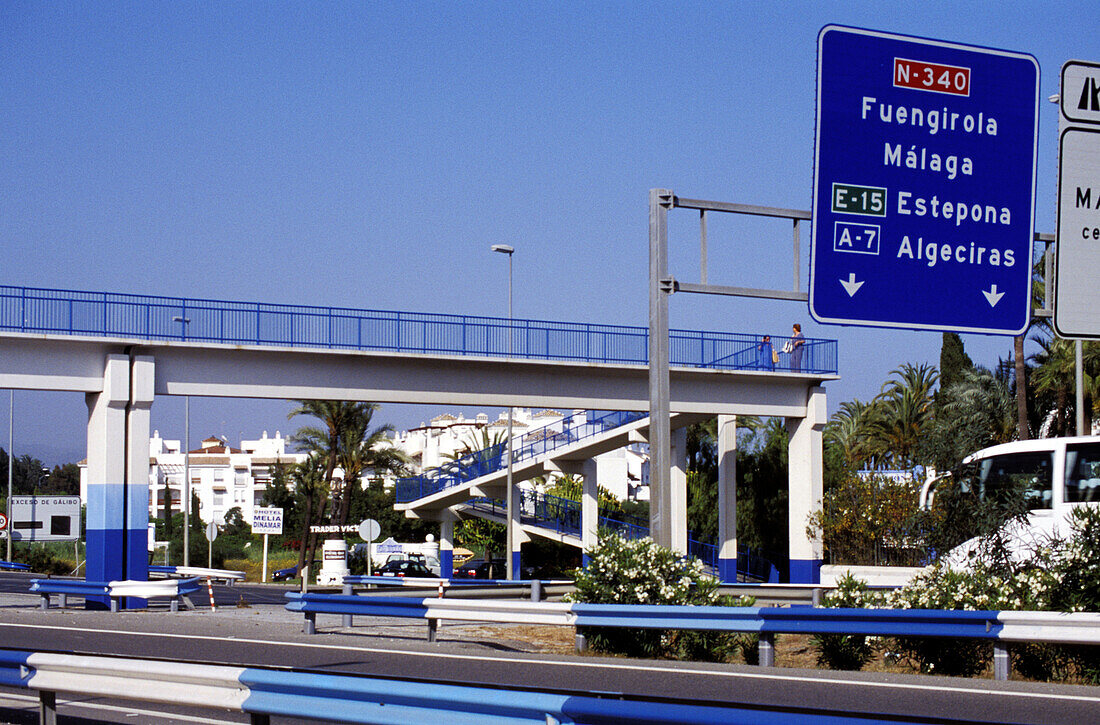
point(637, 571)
point(1070, 584)
point(874, 520)
point(941, 588)
point(847, 651)
point(1063, 576)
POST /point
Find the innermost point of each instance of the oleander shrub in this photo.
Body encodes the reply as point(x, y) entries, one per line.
point(711, 646)
point(847, 651)
point(941, 588)
point(638, 571)
point(1071, 584)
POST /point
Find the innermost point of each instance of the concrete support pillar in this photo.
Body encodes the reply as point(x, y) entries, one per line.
point(118, 474)
point(515, 535)
point(446, 544)
point(805, 487)
point(727, 498)
point(142, 369)
point(105, 535)
point(590, 512)
point(678, 483)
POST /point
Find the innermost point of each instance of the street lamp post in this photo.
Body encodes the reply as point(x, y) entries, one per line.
point(185, 493)
point(510, 499)
point(11, 461)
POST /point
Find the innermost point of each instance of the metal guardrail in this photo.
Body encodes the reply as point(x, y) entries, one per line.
point(116, 590)
point(14, 566)
point(149, 317)
point(227, 575)
point(998, 626)
point(262, 692)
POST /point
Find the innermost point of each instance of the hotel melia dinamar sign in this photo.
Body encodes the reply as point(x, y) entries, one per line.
point(924, 183)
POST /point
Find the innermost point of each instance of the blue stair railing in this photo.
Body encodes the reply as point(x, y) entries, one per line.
point(490, 460)
point(563, 516)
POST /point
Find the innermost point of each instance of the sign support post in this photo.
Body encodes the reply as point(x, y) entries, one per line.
point(267, 521)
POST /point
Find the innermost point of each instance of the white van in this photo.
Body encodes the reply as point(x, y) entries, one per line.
point(1056, 475)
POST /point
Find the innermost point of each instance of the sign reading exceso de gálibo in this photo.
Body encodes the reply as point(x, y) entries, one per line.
point(45, 518)
point(924, 184)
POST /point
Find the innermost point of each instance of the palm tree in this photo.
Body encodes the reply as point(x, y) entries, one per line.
point(312, 491)
point(344, 438)
point(850, 430)
point(323, 443)
point(1053, 377)
point(977, 411)
point(904, 413)
point(476, 441)
point(363, 449)
point(1038, 295)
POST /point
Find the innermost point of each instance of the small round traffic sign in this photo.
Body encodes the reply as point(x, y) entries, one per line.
point(369, 529)
point(211, 531)
point(3, 522)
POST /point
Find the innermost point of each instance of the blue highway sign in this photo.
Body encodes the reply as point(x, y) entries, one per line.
point(924, 184)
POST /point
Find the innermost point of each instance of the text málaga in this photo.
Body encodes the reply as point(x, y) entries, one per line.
point(919, 159)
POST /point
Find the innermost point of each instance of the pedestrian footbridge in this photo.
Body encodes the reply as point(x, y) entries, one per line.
point(123, 350)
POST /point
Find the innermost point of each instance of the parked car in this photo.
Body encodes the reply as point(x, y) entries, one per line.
point(290, 572)
point(481, 569)
point(405, 568)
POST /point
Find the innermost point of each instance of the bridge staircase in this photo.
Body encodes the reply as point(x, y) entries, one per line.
point(475, 484)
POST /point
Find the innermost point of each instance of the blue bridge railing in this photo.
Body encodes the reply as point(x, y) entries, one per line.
point(108, 314)
point(489, 460)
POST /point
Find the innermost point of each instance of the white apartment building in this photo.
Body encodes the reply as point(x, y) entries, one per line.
point(448, 436)
point(221, 476)
point(224, 477)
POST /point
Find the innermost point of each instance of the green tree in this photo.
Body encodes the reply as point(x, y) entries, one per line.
point(762, 487)
point(311, 494)
point(363, 450)
point(28, 475)
point(376, 502)
point(64, 480)
point(277, 492)
point(482, 535)
point(977, 411)
point(954, 361)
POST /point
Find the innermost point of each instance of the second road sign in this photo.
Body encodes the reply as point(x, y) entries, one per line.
point(924, 184)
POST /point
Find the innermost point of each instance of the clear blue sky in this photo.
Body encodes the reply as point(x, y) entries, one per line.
point(367, 155)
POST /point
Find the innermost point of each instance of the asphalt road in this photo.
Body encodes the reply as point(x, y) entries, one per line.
point(265, 634)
